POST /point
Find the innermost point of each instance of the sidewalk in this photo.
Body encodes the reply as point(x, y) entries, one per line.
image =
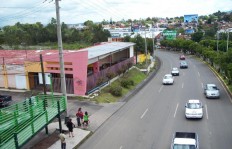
point(96, 120)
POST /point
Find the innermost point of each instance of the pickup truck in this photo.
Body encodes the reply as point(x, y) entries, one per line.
point(5, 100)
point(185, 140)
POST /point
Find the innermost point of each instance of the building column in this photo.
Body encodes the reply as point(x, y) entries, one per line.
point(96, 67)
point(5, 77)
point(27, 80)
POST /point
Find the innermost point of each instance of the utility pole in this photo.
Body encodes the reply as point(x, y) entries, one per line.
point(146, 46)
point(60, 47)
point(153, 40)
point(44, 87)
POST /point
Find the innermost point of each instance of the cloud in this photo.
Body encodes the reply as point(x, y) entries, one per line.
point(77, 11)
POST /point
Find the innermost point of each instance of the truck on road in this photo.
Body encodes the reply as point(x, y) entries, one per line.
point(185, 140)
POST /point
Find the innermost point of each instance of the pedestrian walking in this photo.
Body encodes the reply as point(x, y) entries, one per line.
point(86, 119)
point(79, 115)
point(70, 126)
point(62, 140)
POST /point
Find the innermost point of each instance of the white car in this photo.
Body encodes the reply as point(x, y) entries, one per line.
point(194, 109)
point(211, 91)
point(168, 79)
point(175, 71)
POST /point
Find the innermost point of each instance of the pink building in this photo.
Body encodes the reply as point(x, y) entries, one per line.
point(82, 67)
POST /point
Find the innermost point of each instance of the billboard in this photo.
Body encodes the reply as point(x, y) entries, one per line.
point(193, 18)
point(169, 34)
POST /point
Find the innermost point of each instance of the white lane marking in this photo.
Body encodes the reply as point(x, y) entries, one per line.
point(144, 113)
point(120, 147)
point(202, 85)
point(160, 88)
point(176, 110)
point(182, 85)
point(199, 74)
point(206, 111)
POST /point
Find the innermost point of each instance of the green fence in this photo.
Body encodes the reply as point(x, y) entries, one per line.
point(20, 122)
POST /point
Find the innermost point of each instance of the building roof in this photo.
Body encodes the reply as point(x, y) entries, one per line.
point(105, 48)
point(17, 57)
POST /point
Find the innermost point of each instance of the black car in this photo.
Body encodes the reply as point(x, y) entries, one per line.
point(5, 100)
point(183, 64)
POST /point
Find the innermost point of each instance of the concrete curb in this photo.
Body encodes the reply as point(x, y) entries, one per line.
point(141, 85)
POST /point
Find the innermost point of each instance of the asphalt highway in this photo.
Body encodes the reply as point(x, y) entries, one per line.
point(151, 117)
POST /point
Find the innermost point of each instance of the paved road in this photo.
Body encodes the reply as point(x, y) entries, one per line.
point(149, 119)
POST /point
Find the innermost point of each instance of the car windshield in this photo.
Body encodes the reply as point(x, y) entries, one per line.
point(167, 77)
point(174, 69)
point(212, 88)
point(182, 146)
point(194, 105)
point(184, 63)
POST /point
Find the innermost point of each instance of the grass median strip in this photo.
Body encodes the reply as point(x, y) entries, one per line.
point(134, 75)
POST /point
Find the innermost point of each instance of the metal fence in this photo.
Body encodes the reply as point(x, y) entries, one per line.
point(101, 77)
point(20, 122)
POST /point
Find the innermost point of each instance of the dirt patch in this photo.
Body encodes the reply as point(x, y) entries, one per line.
point(48, 141)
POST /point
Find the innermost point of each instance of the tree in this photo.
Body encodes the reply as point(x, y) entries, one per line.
point(127, 39)
point(51, 29)
point(140, 43)
point(1, 37)
point(197, 37)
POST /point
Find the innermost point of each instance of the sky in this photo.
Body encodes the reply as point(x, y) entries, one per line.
point(79, 11)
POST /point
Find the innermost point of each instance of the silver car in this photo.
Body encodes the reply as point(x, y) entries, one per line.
point(211, 91)
point(175, 71)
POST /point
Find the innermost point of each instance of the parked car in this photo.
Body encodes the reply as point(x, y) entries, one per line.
point(211, 91)
point(194, 109)
point(182, 57)
point(5, 100)
point(168, 79)
point(183, 64)
point(175, 71)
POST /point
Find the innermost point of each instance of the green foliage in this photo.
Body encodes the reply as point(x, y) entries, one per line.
point(24, 35)
point(116, 90)
point(140, 43)
point(126, 83)
point(197, 37)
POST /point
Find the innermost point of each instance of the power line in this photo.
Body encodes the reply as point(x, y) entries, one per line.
point(26, 12)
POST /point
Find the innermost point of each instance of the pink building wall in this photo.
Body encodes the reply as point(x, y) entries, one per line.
point(80, 64)
point(79, 61)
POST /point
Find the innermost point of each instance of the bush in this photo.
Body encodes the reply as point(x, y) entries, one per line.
point(116, 91)
point(129, 65)
point(126, 83)
point(110, 75)
point(131, 82)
